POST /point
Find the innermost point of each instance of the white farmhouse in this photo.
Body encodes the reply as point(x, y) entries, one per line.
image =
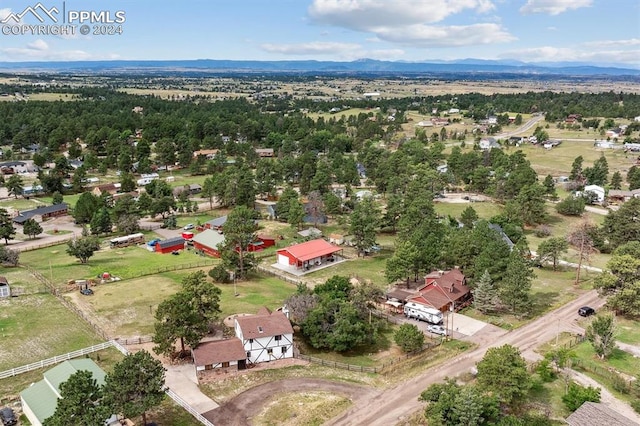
point(266, 336)
point(598, 190)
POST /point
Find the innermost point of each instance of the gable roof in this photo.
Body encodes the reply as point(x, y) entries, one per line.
point(443, 287)
point(217, 222)
point(597, 414)
point(273, 324)
point(42, 397)
point(27, 214)
point(218, 351)
point(3, 280)
point(209, 238)
point(171, 242)
point(311, 249)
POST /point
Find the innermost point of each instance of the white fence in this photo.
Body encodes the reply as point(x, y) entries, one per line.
point(54, 360)
point(81, 352)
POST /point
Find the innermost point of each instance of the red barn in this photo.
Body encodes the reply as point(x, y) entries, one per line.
point(208, 242)
point(172, 244)
point(305, 255)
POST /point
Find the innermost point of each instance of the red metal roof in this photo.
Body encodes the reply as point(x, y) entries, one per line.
point(311, 249)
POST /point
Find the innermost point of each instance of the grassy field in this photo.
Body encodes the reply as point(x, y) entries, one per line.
point(308, 408)
point(485, 210)
point(254, 293)
point(549, 291)
point(620, 360)
point(36, 327)
point(628, 331)
point(129, 262)
point(22, 281)
point(20, 204)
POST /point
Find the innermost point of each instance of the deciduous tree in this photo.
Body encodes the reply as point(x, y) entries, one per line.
point(602, 333)
point(578, 395)
point(552, 249)
point(503, 372)
point(31, 228)
point(83, 248)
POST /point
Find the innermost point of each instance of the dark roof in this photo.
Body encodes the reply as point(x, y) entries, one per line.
point(3, 280)
point(597, 414)
point(504, 236)
point(400, 294)
point(257, 326)
point(444, 287)
point(171, 242)
point(217, 222)
point(218, 351)
point(23, 216)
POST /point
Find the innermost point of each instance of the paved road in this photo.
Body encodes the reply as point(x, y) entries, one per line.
point(526, 126)
point(395, 404)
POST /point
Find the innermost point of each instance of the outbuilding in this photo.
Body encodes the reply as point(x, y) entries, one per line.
point(208, 242)
point(5, 290)
point(308, 254)
point(42, 213)
point(172, 244)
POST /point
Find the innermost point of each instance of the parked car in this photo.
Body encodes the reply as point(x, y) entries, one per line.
point(437, 329)
point(189, 226)
point(586, 311)
point(8, 417)
point(86, 291)
point(175, 253)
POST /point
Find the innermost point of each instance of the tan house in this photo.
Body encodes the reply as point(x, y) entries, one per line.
point(107, 188)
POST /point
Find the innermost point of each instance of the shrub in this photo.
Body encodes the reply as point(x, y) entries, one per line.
point(571, 206)
point(542, 231)
point(635, 404)
point(545, 371)
point(578, 395)
point(220, 274)
point(409, 338)
point(619, 383)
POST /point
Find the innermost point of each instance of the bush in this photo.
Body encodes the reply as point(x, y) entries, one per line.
point(578, 395)
point(545, 371)
point(220, 274)
point(619, 384)
point(409, 338)
point(571, 206)
point(635, 404)
point(542, 231)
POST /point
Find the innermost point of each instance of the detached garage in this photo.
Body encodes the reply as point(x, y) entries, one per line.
point(172, 244)
point(306, 255)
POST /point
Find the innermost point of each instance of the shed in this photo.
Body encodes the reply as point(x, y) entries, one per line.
point(310, 232)
point(5, 290)
point(336, 239)
point(42, 213)
point(216, 223)
point(307, 254)
point(208, 242)
point(172, 244)
point(222, 355)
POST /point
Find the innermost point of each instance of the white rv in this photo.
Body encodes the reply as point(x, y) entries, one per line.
point(422, 313)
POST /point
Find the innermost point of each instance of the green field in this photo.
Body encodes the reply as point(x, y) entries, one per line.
point(485, 210)
point(129, 262)
point(36, 327)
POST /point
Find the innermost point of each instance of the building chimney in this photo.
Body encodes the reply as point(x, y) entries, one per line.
point(451, 288)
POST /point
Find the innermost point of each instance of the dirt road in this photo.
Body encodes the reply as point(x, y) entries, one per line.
point(397, 403)
point(240, 410)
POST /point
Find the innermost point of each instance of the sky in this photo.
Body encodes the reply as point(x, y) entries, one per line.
point(600, 32)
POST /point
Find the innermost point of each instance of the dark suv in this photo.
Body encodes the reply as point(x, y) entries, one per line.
point(7, 417)
point(586, 311)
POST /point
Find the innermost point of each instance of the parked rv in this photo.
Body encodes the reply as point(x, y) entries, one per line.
point(422, 313)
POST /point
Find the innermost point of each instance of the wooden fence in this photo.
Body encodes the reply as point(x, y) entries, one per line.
point(49, 244)
point(184, 404)
point(134, 340)
point(280, 275)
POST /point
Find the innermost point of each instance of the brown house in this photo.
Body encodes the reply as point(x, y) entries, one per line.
point(108, 188)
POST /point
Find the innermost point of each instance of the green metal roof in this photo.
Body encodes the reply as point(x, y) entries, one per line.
point(209, 238)
point(42, 397)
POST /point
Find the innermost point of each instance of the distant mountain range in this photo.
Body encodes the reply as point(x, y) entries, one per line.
point(361, 66)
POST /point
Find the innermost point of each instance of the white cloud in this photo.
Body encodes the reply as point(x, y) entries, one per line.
point(311, 48)
point(446, 36)
point(575, 54)
point(614, 43)
point(411, 22)
point(39, 50)
point(39, 44)
point(4, 13)
point(363, 15)
point(553, 7)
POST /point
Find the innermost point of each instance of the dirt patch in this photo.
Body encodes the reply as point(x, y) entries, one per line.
point(248, 404)
point(230, 320)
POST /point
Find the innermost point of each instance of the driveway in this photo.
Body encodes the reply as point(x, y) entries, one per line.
point(463, 327)
point(183, 381)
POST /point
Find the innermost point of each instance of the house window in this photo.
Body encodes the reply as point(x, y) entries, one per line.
point(284, 350)
point(250, 340)
point(248, 354)
point(270, 351)
point(278, 337)
point(225, 364)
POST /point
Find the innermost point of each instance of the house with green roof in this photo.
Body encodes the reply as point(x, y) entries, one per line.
point(39, 401)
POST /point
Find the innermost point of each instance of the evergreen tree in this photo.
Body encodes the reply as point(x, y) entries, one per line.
point(550, 187)
point(552, 249)
point(576, 169)
point(468, 217)
point(31, 228)
point(363, 224)
point(616, 180)
point(101, 222)
point(515, 288)
point(81, 402)
point(295, 213)
point(485, 294)
point(7, 230)
point(15, 185)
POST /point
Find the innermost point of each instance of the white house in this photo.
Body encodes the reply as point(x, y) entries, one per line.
point(146, 179)
point(266, 336)
point(598, 190)
point(220, 355)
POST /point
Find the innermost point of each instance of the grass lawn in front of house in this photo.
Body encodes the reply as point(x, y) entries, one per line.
point(38, 326)
point(628, 330)
point(485, 210)
point(365, 269)
point(619, 360)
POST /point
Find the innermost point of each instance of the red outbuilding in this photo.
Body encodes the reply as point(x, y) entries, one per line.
point(306, 255)
point(170, 245)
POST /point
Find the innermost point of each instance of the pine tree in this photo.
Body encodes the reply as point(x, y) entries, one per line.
point(515, 289)
point(616, 181)
point(485, 295)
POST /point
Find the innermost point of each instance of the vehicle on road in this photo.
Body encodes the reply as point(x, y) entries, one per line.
point(8, 417)
point(189, 226)
point(175, 253)
point(586, 311)
point(86, 291)
point(437, 329)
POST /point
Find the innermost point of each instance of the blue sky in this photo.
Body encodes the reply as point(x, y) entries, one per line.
point(603, 32)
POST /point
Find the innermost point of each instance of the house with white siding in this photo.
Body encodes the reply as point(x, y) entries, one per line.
point(267, 336)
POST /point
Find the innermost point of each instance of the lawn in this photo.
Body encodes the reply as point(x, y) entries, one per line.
point(36, 327)
point(628, 331)
point(129, 262)
point(365, 269)
point(22, 281)
point(549, 290)
point(254, 293)
point(485, 210)
point(20, 204)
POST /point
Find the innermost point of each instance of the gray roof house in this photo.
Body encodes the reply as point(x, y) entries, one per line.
point(216, 223)
point(43, 213)
point(597, 414)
